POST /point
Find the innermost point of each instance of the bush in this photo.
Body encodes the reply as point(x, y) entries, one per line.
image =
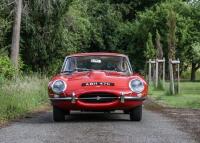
point(6, 68)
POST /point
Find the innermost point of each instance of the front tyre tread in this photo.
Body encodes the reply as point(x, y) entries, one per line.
point(136, 113)
point(58, 115)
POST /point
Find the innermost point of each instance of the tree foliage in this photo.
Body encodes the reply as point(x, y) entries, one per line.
point(52, 29)
point(159, 49)
point(150, 52)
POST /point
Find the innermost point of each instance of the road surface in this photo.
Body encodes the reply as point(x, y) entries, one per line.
point(95, 128)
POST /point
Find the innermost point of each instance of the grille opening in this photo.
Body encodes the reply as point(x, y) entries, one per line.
point(98, 97)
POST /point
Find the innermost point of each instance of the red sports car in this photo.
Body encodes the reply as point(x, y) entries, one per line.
point(97, 82)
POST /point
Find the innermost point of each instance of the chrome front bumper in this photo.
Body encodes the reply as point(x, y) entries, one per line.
point(122, 98)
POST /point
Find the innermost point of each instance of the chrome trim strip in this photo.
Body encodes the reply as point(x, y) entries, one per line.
point(90, 98)
point(65, 98)
point(134, 98)
point(122, 98)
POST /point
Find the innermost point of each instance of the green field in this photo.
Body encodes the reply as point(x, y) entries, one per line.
point(189, 96)
point(18, 97)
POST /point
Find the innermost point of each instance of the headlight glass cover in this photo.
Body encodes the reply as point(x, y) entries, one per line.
point(136, 85)
point(59, 86)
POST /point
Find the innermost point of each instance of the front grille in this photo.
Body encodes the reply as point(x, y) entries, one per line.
point(98, 97)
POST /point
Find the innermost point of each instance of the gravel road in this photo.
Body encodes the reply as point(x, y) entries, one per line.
point(95, 128)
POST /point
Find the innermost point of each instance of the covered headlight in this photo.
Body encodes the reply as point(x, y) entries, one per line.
point(136, 85)
point(58, 86)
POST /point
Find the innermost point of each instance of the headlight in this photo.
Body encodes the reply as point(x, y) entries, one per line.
point(59, 86)
point(136, 85)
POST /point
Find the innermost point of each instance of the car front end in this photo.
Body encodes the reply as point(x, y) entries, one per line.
point(97, 90)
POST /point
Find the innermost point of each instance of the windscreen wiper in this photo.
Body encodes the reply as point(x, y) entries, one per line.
point(76, 69)
point(82, 69)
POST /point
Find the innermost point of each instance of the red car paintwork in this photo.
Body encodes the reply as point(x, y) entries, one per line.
point(74, 84)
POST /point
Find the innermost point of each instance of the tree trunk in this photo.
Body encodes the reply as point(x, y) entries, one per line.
point(159, 54)
point(171, 23)
point(16, 33)
point(193, 72)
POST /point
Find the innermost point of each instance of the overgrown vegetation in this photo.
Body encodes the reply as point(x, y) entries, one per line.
point(6, 68)
point(20, 96)
point(51, 29)
point(188, 98)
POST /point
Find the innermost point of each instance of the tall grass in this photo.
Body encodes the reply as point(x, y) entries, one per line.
point(189, 96)
point(19, 96)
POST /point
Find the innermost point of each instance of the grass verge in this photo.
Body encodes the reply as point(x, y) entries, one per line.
point(20, 96)
point(189, 96)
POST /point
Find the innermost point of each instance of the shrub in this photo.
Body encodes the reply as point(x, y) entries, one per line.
point(6, 68)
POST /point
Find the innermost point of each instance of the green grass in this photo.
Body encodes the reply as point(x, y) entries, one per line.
point(21, 96)
point(189, 96)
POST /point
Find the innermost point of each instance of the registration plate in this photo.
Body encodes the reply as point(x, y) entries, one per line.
point(98, 84)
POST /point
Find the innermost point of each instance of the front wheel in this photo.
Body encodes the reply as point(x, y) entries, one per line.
point(58, 114)
point(136, 113)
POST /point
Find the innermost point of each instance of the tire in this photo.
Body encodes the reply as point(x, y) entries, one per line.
point(58, 114)
point(136, 114)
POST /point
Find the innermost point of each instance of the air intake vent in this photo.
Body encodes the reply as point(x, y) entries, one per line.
point(98, 97)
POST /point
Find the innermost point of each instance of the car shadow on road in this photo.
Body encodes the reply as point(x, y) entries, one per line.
point(76, 117)
point(97, 117)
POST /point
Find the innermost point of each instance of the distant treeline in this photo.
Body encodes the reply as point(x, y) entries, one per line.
point(52, 29)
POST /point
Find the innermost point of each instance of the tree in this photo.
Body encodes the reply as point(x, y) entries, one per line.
point(187, 27)
point(193, 50)
point(150, 52)
point(159, 50)
point(159, 55)
point(43, 23)
point(171, 23)
point(195, 59)
point(130, 8)
point(51, 29)
point(16, 33)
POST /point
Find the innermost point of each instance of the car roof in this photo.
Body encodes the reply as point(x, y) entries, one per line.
point(98, 54)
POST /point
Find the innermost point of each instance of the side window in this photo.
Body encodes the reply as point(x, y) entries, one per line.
point(126, 66)
point(69, 64)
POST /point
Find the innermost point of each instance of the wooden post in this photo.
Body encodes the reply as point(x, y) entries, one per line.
point(149, 71)
point(153, 62)
point(178, 80)
point(171, 77)
point(156, 78)
point(175, 63)
point(163, 72)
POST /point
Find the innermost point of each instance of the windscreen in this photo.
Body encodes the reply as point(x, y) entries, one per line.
point(106, 63)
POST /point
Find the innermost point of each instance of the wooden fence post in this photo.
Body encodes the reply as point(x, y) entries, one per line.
point(171, 77)
point(163, 72)
point(156, 61)
point(178, 80)
point(149, 71)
